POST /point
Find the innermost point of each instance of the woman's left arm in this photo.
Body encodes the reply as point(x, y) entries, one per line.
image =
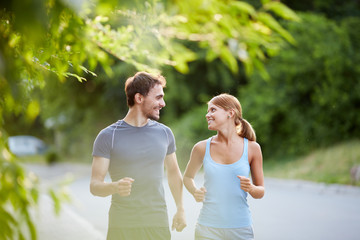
point(256, 189)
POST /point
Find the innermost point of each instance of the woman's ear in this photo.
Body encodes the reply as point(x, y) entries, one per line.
point(138, 98)
point(231, 113)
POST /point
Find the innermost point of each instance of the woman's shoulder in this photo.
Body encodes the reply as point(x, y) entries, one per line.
point(253, 144)
point(254, 149)
point(200, 147)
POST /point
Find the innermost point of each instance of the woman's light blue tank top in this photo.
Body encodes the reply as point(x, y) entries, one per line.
point(225, 204)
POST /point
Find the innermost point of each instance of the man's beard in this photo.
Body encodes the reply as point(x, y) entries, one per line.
point(153, 117)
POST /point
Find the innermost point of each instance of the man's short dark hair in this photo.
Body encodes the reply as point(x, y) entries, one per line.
point(141, 83)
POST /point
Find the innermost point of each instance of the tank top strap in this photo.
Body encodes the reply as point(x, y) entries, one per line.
point(246, 144)
point(207, 150)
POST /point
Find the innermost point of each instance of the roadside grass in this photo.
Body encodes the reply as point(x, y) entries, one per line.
point(50, 158)
point(329, 165)
point(39, 159)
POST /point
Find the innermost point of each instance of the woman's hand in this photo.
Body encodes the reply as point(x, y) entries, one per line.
point(245, 184)
point(199, 194)
point(255, 191)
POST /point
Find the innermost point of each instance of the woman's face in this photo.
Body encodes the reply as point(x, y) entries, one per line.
point(216, 116)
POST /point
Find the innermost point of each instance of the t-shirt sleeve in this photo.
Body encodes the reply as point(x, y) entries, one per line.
point(102, 145)
point(171, 141)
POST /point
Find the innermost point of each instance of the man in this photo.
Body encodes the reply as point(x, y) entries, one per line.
point(134, 151)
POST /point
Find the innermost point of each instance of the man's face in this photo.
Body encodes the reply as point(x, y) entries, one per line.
point(153, 102)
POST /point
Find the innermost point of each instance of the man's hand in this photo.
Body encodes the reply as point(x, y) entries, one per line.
point(245, 184)
point(179, 221)
point(199, 194)
point(123, 186)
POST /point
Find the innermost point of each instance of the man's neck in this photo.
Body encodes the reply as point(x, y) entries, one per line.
point(135, 118)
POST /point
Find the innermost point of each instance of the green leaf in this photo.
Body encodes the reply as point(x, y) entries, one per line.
point(249, 67)
point(56, 200)
point(228, 59)
point(262, 71)
point(282, 11)
point(182, 57)
point(32, 228)
point(211, 55)
point(243, 7)
point(182, 67)
point(33, 110)
point(79, 78)
point(87, 71)
point(268, 20)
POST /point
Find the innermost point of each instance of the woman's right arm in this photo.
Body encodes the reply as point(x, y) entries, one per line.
point(194, 165)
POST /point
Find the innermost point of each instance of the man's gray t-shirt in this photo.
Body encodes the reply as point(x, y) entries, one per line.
point(138, 153)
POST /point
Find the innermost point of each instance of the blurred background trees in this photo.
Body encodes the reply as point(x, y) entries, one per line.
point(311, 98)
point(63, 65)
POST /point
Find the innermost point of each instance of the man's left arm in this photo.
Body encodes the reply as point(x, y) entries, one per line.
point(176, 186)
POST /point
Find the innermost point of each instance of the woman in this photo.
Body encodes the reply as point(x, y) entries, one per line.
point(227, 159)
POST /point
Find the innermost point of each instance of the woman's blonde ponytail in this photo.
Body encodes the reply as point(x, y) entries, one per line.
point(245, 130)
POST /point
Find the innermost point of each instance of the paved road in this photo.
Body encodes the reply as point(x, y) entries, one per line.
point(294, 210)
point(300, 210)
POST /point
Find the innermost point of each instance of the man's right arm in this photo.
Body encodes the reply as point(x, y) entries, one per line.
point(99, 187)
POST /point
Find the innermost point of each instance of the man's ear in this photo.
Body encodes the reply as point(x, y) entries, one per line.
point(138, 98)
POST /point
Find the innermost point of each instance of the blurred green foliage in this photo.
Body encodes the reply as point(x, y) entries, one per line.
point(63, 64)
point(313, 97)
point(18, 193)
point(332, 9)
point(63, 68)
